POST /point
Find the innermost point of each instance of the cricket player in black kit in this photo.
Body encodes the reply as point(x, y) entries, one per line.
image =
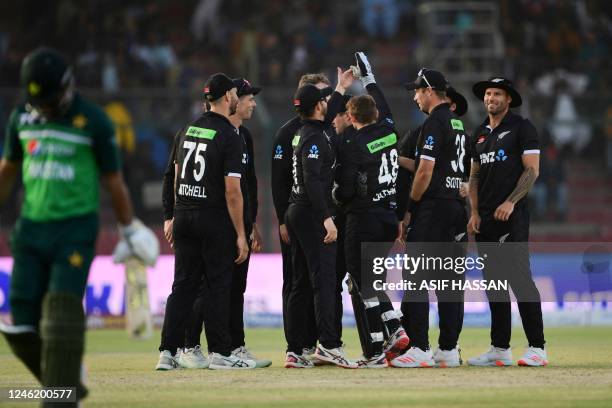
point(505, 164)
point(367, 190)
point(192, 356)
point(435, 214)
point(282, 181)
point(312, 230)
point(450, 318)
point(208, 227)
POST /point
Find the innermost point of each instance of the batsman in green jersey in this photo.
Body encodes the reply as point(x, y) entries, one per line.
point(64, 146)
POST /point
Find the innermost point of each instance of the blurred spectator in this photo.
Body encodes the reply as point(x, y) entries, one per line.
point(247, 60)
point(110, 74)
point(566, 127)
point(271, 55)
point(205, 21)
point(380, 18)
point(550, 192)
point(157, 57)
point(298, 63)
point(124, 126)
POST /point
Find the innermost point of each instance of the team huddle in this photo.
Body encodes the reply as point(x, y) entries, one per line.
point(341, 178)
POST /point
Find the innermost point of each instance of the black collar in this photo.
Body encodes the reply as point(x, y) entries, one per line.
point(508, 118)
point(211, 114)
point(441, 106)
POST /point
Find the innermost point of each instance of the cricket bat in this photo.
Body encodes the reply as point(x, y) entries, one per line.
point(139, 323)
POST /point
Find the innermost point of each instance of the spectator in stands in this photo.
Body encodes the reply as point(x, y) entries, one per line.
point(380, 18)
point(566, 127)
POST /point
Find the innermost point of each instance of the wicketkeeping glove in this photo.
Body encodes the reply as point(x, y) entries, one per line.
point(141, 241)
point(363, 70)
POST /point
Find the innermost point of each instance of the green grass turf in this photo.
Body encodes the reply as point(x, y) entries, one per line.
point(121, 373)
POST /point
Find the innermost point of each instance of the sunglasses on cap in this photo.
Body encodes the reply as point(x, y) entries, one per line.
point(422, 75)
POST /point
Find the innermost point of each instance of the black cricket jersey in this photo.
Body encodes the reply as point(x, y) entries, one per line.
point(282, 155)
point(408, 148)
point(168, 180)
point(499, 153)
point(371, 154)
point(314, 161)
point(248, 182)
point(209, 149)
point(282, 165)
point(443, 141)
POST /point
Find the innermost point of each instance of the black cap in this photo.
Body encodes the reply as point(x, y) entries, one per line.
point(459, 101)
point(309, 95)
point(244, 87)
point(345, 99)
point(428, 78)
point(45, 74)
point(217, 85)
point(480, 88)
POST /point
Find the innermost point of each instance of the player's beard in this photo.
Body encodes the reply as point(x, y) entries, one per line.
point(324, 109)
point(496, 108)
point(233, 106)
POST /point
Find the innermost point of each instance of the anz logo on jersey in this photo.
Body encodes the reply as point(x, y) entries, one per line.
point(313, 153)
point(492, 157)
point(278, 152)
point(429, 143)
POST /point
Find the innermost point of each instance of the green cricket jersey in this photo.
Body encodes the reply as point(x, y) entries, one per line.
point(62, 159)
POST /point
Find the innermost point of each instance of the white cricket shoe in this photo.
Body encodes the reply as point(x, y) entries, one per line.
point(166, 361)
point(231, 362)
point(534, 357)
point(244, 353)
point(378, 361)
point(494, 357)
point(335, 356)
point(295, 360)
point(447, 358)
point(192, 358)
point(414, 358)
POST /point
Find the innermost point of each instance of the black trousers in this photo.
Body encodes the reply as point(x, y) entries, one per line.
point(512, 237)
point(435, 221)
point(314, 280)
point(236, 324)
point(378, 226)
point(310, 323)
point(341, 267)
point(205, 249)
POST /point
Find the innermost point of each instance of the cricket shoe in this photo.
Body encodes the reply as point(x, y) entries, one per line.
point(335, 356)
point(414, 358)
point(244, 353)
point(192, 358)
point(309, 353)
point(295, 360)
point(447, 358)
point(396, 344)
point(378, 361)
point(494, 357)
point(166, 361)
point(231, 362)
point(534, 357)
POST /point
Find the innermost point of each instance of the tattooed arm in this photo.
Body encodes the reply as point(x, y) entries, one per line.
point(531, 164)
point(474, 222)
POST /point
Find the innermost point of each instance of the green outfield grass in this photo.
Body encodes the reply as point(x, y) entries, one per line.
point(120, 373)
